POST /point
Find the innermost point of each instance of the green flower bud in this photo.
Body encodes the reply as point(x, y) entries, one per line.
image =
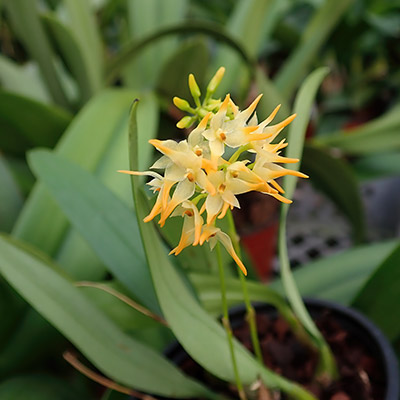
point(185, 122)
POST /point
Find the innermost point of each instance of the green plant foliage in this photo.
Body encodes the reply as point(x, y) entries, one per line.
point(382, 290)
point(10, 197)
point(187, 319)
point(247, 25)
point(113, 235)
point(23, 80)
point(378, 165)
point(67, 45)
point(96, 140)
point(318, 29)
point(145, 18)
point(37, 125)
point(378, 135)
point(192, 56)
point(119, 356)
point(296, 135)
point(343, 190)
point(26, 22)
point(337, 278)
point(37, 387)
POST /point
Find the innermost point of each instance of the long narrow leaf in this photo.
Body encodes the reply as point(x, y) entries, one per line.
point(25, 19)
point(146, 18)
point(302, 108)
point(248, 24)
point(337, 278)
point(66, 42)
point(318, 30)
point(111, 231)
point(26, 123)
point(115, 354)
point(10, 197)
point(132, 50)
point(24, 80)
point(380, 293)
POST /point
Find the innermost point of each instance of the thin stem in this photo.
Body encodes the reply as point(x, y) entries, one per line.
point(226, 323)
point(250, 312)
point(238, 152)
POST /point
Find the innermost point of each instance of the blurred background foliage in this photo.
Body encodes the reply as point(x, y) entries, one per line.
point(69, 71)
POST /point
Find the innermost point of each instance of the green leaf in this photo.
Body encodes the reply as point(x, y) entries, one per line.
point(10, 197)
point(82, 22)
point(132, 50)
point(26, 123)
point(335, 178)
point(248, 25)
point(67, 44)
point(191, 57)
point(146, 18)
point(188, 320)
point(296, 135)
point(118, 356)
point(37, 387)
point(378, 135)
point(113, 235)
point(24, 80)
point(25, 20)
point(96, 140)
point(314, 37)
point(337, 278)
point(378, 165)
point(380, 293)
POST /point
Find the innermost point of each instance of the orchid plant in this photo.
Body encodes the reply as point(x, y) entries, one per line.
point(227, 153)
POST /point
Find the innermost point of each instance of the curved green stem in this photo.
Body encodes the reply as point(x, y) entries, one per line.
point(226, 323)
point(250, 313)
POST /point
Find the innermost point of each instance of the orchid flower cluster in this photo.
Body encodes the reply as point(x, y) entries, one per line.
point(199, 183)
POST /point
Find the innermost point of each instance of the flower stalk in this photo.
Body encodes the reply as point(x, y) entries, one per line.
point(250, 312)
point(227, 325)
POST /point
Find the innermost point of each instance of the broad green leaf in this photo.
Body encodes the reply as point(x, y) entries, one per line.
point(67, 44)
point(337, 278)
point(97, 129)
point(96, 140)
point(378, 135)
point(32, 340)
point(145, 18)
point(192, 56)
point(26, 123)
point(188, 320)
point(381, 293)
point(82, 23)
point(130, 51)
point(103, 220)
point(378, 165)
point(318, 30)
point(302, 107)
point(335, 178)
point(24, 80)
point(10, 197)
point(11, 309)
point(118, 356)
point(248, 25)
point(25, 20)
point(37, 387)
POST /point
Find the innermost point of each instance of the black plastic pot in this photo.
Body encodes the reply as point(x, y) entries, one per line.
point(350, 319)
